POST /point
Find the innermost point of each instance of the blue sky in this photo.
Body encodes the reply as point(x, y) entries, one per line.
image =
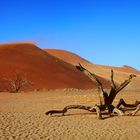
point(103, 31)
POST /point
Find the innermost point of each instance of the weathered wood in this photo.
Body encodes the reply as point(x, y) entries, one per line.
point(113, 85)
point(122, 102)
point(66, 108)
point(95, 108)
point(118, 111)
point(98, 111)
point(135, 111)
point(115, 90)
point(106, 99)
point(125, 83)
point(94, 78)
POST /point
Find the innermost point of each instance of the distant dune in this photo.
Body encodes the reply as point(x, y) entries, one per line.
point(55, 69)
point(124, 68)
point(121, 73)
point(75, 59)
point(67, 56)
point(41, 68)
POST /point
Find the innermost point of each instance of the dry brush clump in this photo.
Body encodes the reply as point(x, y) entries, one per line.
point(15, 82)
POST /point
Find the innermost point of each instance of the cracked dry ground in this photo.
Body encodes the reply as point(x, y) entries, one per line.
point(22, 116)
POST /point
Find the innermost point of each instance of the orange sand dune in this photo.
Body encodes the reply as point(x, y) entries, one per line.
point(41, 68)
point(67, 56)
point(124, 68)
point(75, 59)
point(121, 73)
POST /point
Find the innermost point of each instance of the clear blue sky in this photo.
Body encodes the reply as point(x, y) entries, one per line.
point(103, 31)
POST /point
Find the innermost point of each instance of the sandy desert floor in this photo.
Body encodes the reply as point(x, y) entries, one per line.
point(22, 117)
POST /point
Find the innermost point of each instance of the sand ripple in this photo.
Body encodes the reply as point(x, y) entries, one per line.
point(36, 126)
point(23, 118)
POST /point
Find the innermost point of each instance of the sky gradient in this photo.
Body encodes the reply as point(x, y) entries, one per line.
point(103, 31)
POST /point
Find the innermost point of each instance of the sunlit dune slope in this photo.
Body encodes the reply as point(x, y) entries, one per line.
point(120, 73)
point(40, 68)
point(124, 68)
point(67, 56)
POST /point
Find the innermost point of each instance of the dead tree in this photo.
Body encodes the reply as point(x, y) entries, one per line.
point(17, 82)
point(106, 99)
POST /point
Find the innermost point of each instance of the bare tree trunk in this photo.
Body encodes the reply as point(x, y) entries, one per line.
point(106, 99)
point(102, 94)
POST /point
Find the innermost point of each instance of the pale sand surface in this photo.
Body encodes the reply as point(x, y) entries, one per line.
point(22, 116)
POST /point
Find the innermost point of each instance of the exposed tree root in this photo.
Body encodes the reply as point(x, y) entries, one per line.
point(118, 111)
point(99, 110)
point(122, 102)
point(88, 108)
point(136, 110)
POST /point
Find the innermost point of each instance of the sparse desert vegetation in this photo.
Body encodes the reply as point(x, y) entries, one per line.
point(55, 83)
point(69, 70)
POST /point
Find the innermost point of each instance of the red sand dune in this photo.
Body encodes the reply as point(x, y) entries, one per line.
point(67, 56)
point(121, 73)
point(124, 68)
point(75, 59)
point(41, 68)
